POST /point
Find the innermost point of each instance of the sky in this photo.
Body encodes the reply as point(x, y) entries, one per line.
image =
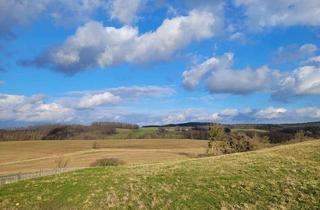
point(159, 61)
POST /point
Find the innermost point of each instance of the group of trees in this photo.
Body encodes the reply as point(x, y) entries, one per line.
point(224, 141)
point(61, 132)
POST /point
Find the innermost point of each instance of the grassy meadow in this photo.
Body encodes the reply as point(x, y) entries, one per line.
point(282, 177)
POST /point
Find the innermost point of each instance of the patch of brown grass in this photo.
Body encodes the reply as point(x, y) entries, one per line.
point(27, 156)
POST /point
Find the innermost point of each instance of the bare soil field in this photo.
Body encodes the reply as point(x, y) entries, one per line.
point(27, 156)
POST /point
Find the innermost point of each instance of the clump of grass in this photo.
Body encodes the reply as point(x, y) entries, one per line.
point(107, 162)
point(95, 145)
point(300, 136)
point(62, 162)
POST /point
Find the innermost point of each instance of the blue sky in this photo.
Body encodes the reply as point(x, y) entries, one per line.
point(159, 61)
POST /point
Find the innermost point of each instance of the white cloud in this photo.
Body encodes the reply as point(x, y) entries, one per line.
point(230, 112)
point(307, 80)
point(303, 81)
point(69, 11)
point(124, 11)
point(10, 100)
point(266, 13)
point(142, 91)
point(311, 112)
point(240, 82)
point(14, 13)
point(294, 53)
point(238, 36)
point(31, 109)
point(91, 101)
point(313, 61)
point(185, 115)
point(95, 45)
point(221, 78)
point(192, 77)
point(216, 117)
point(131, 91)
point(271, 113)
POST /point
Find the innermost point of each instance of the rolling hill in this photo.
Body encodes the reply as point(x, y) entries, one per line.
point(286, 176)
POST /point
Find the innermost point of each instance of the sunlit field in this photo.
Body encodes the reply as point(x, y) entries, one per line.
point(282, 177)
point(26, 156)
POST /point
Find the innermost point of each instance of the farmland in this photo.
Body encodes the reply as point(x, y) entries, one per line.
point(282, 177)
point(26, 156)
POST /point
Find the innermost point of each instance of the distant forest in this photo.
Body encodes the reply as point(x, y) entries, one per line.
point(64, 132)
point(275, 133)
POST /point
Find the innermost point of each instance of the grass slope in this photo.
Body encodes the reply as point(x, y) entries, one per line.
point(281, 177)
point(123, 133)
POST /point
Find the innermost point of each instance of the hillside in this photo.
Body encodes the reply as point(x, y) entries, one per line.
point(286, 176)
point(276, 133)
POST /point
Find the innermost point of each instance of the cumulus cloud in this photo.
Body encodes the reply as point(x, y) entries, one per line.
point(216, 117)
point(313, 61)
point(247, 115)
point(186, 115)
point(31, 109)
point(192, 77)
point(221, 78)
point(240, 82)
point(123, 11)
point(238, 36)
point(294, 53)
point(301, 82)
point(310, 112)
point(91, 101)
point(19, 109)
point(232, 115)
point(230, 112)
point(271, 113)
point(14, 13)
point(81, 106)
point(266, 13)
point(94, 45)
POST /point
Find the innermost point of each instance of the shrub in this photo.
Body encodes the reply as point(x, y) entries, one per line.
point(107, 162)
point(216, 133)
point(240, 143)
point(277, 137)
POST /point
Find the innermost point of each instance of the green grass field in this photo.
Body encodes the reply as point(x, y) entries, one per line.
point(249, 130)
point(123, 133)
point(283, 177)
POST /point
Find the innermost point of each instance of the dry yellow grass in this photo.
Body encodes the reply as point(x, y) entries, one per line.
point(26, 156)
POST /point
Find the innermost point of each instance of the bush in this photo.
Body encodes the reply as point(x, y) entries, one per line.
point(216, 133)
point(277, 137)
point(107, 162)
point(240, 143)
